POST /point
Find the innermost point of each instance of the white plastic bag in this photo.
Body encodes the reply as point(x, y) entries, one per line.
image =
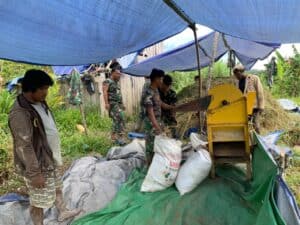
point(165, 164)
point(197, 142)
point(193, 171)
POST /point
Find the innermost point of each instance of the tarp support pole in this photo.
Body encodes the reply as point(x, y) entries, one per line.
point(231, 54)
point(199, 74)
point(192, 25)
point(214, 52)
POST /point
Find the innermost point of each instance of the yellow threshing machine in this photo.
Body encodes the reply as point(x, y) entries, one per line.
point(227, 126)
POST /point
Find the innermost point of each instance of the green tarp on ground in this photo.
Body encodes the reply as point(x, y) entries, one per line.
point(226, 200)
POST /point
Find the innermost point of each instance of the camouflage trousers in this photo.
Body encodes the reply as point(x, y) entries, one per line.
point(116, 113)
point(150, 136)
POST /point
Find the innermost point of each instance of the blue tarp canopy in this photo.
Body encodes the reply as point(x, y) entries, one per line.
point(183, 58)
point(78, 32)
point(124, 61)
point(66, 70)
point(270, 21)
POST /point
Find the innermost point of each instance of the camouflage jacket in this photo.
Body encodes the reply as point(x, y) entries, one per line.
point(114, 92)
point(150, 97)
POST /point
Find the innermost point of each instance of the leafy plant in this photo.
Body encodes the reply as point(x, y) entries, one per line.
point(54, 99)
point(281, 64)
point(6, 101)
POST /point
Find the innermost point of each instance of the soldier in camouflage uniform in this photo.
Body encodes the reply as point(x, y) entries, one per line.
point(151, 110)
point(114, 103)
point(168, 96)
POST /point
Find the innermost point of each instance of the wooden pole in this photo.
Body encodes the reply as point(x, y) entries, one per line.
point(83, 118)
point(231, 54)
point(213, 56)
point(199, 73)
point(81, 108)
point(172, 4)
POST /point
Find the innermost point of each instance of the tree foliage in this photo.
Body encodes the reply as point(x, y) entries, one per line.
point(10, 70)
point(287, 82)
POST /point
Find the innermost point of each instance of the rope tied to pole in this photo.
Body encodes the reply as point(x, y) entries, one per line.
point(214, 53)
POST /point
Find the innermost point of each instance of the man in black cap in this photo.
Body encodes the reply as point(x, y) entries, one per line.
point(151, 105)
point(114, 103)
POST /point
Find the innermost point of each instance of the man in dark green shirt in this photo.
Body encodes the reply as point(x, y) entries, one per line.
point(151, 106)
point(168, 96)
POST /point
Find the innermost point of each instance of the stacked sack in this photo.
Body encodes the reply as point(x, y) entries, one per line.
point(196, 168)
point(165, 164)
point(165, 169)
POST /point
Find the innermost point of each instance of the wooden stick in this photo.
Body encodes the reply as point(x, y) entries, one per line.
point(83, 118)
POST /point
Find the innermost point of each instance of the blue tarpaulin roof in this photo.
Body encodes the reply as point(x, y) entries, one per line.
point(184, 57)
point(66, 70)
point(124, 61)
point(77, 32)
point(276, 21)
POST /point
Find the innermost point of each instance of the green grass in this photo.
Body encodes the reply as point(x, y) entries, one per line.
point(296, 99)
point(293, 175)
point(74, 143)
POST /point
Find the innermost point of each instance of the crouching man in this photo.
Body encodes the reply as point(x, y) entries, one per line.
point(37, 154)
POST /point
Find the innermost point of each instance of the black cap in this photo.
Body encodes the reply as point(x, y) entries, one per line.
point(115, 66)
point(156, 73)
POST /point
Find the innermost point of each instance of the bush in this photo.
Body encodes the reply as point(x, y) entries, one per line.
point(10, 70)
point(184, 79)
point(219, 69)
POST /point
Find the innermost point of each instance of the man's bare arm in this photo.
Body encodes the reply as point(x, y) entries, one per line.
point(105, 95)
point(153, 120)
point(166, 106)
